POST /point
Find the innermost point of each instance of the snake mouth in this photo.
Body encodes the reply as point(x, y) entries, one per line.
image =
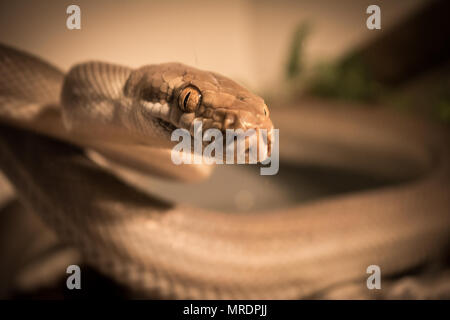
point(169, 128)
point(166, 125)
point(171, 119)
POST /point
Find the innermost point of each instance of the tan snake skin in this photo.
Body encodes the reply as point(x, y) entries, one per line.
point(179, 251)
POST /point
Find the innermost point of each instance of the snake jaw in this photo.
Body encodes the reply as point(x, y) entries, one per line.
point(231, 120)
point(169, 118)
point(166, 125)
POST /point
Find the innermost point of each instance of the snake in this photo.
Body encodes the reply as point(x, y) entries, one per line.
point(50, 118)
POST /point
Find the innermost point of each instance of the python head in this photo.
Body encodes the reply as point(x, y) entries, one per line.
point(173, 95)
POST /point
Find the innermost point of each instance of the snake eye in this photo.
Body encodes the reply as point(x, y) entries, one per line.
point(189, 99)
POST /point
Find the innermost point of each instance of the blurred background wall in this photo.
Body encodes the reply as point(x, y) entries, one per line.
point(247, 40)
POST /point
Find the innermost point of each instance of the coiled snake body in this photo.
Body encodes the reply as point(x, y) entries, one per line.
point(187, 252)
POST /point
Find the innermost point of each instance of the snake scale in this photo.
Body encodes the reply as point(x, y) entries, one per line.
point(181, 251)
